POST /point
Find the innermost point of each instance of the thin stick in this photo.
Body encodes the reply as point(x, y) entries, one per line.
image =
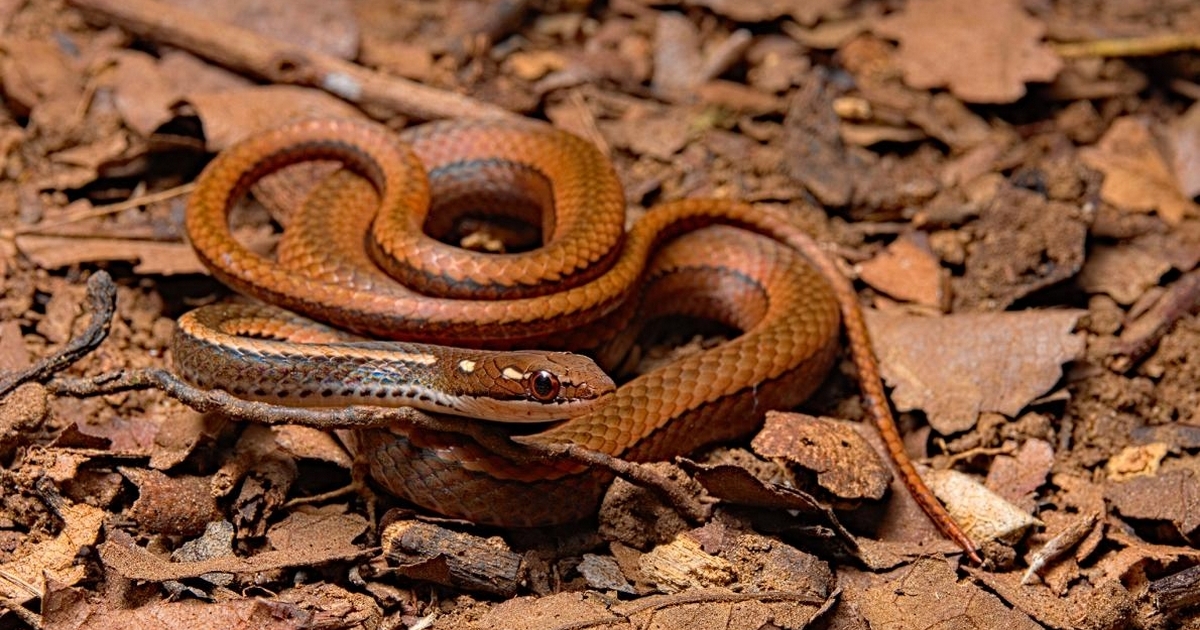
point(1149, 46)
point(102, 301)
point(244, 51)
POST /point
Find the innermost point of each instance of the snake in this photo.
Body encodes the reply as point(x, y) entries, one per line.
point(409, 318)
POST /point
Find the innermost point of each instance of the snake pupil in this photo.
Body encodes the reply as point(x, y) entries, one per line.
point(544, 385)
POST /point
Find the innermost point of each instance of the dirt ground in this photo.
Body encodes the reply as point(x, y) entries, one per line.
point(1011, 185)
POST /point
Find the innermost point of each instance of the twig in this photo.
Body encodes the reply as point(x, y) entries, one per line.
point(366, 417)
point(1142, 335)
point(1176, 592)
point(1149, 46)
point(24, 614)
point(110, 209)
point(102, 301)
point(1059, 545)
point(642, 476)
point(245, 51)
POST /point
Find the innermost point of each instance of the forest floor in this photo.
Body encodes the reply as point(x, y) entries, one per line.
point(1010, 185)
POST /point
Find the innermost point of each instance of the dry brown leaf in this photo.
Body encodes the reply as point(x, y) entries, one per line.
point(142, 91)
point(181, 505)
point(326, 26)
point(231, 115)
point(738, 486)
point(984, 52)
point(1021, 243)
point(844, 463)
point(54, 252)
point(908, 270)
point(659, 134)
point(70, 609)
point(1018, 478)
point(1172, 495)
point(1100, 606)
point(544, 613)
point(928, 594)
point(806, 12)
point(324, 538)
point(1137, 177)
point(35, 71)
point(25, 576)
point(1136, 555)
point(1124, 272)
point(1185, 153)
point(957, 366)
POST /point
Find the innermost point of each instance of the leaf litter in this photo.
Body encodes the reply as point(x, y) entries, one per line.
point(1021, 215)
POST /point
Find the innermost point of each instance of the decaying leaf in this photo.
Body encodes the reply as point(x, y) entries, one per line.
point(984, 52)
point(25, 577)
point(928, 594)
point(957, 366)
point(1172, 495)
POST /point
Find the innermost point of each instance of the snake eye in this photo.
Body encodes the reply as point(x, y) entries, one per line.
point(543, 385)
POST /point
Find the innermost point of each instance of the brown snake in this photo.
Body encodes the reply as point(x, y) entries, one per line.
point(578, 291)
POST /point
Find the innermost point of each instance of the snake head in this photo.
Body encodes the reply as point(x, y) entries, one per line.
point(532, 386)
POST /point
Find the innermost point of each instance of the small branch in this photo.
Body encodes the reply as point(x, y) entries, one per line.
point(1059, 545)
point(217, 400)
point(365, 417)
point(108, 210)
point(102, 301)
point(1149, 46)
point(244, 51)
point(1142, 335)
point(642, 476)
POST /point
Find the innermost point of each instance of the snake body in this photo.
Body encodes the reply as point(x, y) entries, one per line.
point(356, 255)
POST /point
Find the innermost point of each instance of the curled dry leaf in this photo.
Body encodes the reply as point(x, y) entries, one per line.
point(984, 52)
point(957, 366)
point(984, 514)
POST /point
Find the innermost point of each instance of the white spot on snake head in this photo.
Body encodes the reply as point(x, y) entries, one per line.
point(466, 366)
point(513, 374)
